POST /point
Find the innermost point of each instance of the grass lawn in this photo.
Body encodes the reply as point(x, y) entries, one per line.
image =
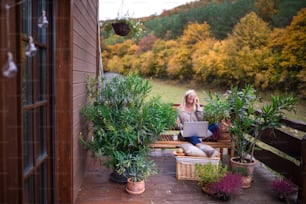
point(173, 92)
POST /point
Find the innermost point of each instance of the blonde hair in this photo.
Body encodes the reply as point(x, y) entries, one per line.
point(187, 93)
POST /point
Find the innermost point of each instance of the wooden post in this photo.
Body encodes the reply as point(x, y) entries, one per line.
point(302, 188)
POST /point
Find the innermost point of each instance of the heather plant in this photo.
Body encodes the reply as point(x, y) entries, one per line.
point(227, 186)
point(217, 181)
point(284, 188)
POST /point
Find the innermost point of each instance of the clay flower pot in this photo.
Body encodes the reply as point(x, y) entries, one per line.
point(135, 187)
point(246, 180)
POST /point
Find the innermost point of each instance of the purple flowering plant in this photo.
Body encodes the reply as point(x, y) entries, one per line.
point(228, 185)
point(283, 187)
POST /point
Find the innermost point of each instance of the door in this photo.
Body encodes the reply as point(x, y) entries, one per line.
point(36, 92)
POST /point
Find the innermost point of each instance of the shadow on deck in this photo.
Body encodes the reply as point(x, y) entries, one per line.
point(164, 188)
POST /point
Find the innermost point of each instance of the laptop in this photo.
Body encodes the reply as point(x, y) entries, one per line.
point(199, 129)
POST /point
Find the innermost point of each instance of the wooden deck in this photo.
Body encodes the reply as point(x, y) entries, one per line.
point(164, 188)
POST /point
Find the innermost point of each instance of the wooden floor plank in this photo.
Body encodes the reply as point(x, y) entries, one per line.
point(164, 188)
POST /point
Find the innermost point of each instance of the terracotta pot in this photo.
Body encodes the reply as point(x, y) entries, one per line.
point(224, 129)
point(246, 180)
point(207, 190)
point(212, 193)
point(135, 187)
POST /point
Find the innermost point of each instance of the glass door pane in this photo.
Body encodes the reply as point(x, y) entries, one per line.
point(41, 139)
point(37, 141)
point(43, 184)
point(28, 141)
point(29, 194)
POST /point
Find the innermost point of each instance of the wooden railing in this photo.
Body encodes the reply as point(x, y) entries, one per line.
point(291, 141)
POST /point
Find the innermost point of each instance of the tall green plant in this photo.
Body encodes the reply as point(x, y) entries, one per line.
point(124, 120)
point(247, 121)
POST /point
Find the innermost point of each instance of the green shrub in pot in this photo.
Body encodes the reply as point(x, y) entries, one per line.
point(249, 121)
point(249, 124)
point(125, 120)
point(216, 109)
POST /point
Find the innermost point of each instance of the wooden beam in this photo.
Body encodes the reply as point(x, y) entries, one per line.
point(63, 103)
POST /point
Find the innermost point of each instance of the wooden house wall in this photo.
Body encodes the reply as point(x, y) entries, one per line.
point(85, 62)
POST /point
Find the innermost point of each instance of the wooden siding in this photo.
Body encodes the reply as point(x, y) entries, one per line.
point(85, 62)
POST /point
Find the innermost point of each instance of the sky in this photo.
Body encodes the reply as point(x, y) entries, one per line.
point(109, 9)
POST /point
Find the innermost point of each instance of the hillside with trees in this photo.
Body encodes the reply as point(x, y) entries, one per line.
point(219, 43)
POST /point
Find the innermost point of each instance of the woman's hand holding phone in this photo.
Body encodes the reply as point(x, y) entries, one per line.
point(196, 101)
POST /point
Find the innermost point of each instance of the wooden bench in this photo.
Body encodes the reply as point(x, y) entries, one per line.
point(167, 142)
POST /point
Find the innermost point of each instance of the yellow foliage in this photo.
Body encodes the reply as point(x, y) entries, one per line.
point(147, 62)
point(180, 64)
point(266, 8)
point(115, 65)
point(194, 33)
point(251, 31)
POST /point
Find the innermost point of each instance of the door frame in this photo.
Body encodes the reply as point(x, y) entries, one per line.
point(11, 165)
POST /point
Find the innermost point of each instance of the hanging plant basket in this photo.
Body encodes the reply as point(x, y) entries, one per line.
point(121, 28)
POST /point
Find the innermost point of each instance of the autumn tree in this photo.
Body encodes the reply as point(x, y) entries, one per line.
point(194, 33)
point(244, 50)
point(180, 64)
point(146, 43)
point(267, 8)
point(163, 51)
point(205, 62)
point(115, 65)
point(147, 64)
point(251, 31)
point(290, 43)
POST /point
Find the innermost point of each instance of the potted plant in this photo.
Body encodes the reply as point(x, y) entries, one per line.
point(216, 111)
point(245, 175)
point(125, 26)
point(137, 168)
point(209, 173)
point(248, 125)
point(227, 186)
point(284, 188)
point(125, 121)
point(216, 181)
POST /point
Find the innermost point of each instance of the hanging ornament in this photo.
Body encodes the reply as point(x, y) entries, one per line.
point(42, 21)
point(30, 49)
point(9, 70)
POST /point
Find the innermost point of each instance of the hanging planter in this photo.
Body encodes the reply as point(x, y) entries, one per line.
point(121, 28)
point(124, 25)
